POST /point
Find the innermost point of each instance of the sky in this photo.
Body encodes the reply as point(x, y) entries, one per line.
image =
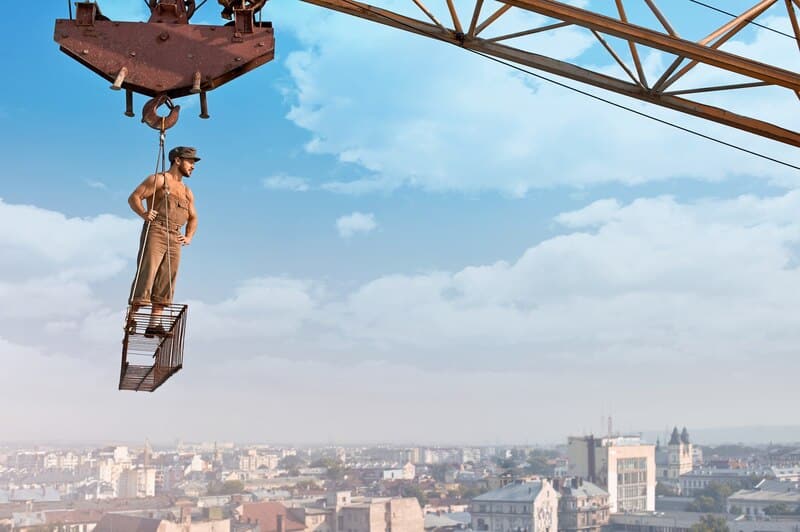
point(401, 241)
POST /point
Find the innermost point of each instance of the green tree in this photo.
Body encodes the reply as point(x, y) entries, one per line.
point(538, 465)
point(469, 493)
point(229, 487)
point(712, 499)
point(731, 451)
point(413, 490)
point(710, 523)
point(703, 503)
point(290, 462)
point(780, 508)
point(663, 489)
point(335, 468)
point(735, 510)
point(305, 485)
point(505, 463)
point(326, 462)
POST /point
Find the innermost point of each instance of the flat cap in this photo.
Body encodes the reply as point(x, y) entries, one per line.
point(184, 152)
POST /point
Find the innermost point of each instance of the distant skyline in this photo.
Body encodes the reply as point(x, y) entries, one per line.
point(400, 241)
point(752, 435)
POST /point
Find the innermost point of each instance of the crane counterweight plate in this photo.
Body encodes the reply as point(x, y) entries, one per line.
point(162, 58)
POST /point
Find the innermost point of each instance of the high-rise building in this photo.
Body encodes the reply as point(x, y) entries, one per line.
point(622, 465)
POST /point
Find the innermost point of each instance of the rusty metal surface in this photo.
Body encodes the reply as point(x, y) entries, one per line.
point(163, 58)
point(148, 362)
point(174, 11)
point(156, 121)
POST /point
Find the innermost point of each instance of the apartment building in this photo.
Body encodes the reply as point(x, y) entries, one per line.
point(624, 466)
point(521, 506)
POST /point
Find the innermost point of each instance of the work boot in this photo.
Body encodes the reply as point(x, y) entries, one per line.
point(156, 330)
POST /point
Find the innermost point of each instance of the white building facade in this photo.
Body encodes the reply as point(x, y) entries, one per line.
point(623, 466)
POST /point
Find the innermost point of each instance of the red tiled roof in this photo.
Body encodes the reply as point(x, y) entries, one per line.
point(266, 515)
point(73, 516)
point(127, 523)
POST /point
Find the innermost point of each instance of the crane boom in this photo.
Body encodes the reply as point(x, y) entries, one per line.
point(688, 54)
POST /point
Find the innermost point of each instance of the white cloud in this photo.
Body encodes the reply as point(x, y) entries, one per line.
point(654, 279)
point(50, 265)
point(286, 182)
point(260, 309)
point(96, 184)
point(440, 118)
point(642, 280)
point(37, 240)
point(618, 306)
point(356, 223)
point(597, 213)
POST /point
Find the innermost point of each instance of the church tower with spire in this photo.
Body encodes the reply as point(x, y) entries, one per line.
point(680, 454)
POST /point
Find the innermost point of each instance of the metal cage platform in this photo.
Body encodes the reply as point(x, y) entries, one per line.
point(148, 360)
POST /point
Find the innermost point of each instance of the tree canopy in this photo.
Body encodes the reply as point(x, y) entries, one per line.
point(229, 487)
point(710, 523)
point(712, 499)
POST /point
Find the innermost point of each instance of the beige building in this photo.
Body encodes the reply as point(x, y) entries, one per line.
point(136, 483)
point(381, 515)
point(622, 465)
point(314, 519)
point(583, 506)
point(252, 460)
point(517, 507)
point(343, 513)
point(130, 523)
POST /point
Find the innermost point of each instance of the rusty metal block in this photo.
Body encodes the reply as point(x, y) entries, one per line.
point(85, 14)
point(243, 20)
point(172, 11)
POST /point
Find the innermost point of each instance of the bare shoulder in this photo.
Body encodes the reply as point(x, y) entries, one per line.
point(142, 187)
point(189, 193)
point(153, 179)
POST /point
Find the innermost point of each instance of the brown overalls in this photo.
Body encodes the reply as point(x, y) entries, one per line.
point(159, 268)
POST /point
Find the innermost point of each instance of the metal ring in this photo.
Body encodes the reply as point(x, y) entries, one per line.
point(153, 119)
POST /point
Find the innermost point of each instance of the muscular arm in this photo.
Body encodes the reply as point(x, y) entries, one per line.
point(139, 194)
point(191, 223)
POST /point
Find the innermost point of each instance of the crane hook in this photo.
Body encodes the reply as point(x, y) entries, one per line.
point(152, 119)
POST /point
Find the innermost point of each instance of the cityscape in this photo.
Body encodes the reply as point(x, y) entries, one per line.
point(589, 483)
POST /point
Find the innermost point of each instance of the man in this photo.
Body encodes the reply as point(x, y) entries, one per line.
point(165, 203)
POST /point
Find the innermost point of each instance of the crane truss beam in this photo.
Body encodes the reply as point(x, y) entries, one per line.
point(703, 52)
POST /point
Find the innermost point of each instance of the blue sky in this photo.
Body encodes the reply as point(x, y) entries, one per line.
point(395, 224)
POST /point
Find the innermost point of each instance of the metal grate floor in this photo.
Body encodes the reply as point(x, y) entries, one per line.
point(148, 360)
